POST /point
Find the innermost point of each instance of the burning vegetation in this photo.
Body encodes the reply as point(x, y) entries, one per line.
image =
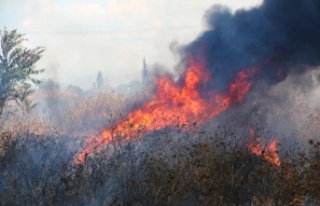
point(174, 104)
point(228, 131)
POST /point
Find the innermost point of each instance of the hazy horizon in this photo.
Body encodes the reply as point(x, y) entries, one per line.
point(84, 37)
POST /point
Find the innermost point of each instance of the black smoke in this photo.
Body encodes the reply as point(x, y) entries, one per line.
point(280, 37)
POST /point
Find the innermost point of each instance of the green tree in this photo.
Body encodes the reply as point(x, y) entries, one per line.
point(17, 65)
point(49, 84)
point(99, 80)
point(21, 98)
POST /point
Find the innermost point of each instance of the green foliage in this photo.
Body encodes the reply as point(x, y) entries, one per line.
point(99, 79)
point(21, 98)
point(49, 84)
point(17, 65)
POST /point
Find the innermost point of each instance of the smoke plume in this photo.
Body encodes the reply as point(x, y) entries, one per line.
point(280, 37)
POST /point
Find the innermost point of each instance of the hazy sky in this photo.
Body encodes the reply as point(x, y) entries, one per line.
point(82, 37)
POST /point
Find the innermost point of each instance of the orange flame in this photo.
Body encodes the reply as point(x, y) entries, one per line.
point(270, 152)
point(174, 104)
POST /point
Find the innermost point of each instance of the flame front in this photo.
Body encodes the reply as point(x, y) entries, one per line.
point(270, 152)
point(174, 103)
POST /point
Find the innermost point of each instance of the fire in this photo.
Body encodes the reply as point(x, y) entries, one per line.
point(270, 152)
point(174, 103)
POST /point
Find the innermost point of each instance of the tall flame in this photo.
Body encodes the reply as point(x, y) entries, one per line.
point(174, 103)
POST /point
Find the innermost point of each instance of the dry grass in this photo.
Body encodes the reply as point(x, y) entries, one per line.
point(170, 167)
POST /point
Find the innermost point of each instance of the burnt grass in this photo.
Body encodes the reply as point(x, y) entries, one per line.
point(163, 168)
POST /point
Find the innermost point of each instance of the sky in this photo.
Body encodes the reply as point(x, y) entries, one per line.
point(83, 37)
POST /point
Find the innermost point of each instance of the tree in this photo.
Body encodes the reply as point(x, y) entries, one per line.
point(21, 99)
point(145, 75)
point(75, 89)
point(17, 65)
point(49, 84)
point(99, 80)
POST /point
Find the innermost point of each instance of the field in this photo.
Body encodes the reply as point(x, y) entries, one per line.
point(193, 165)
